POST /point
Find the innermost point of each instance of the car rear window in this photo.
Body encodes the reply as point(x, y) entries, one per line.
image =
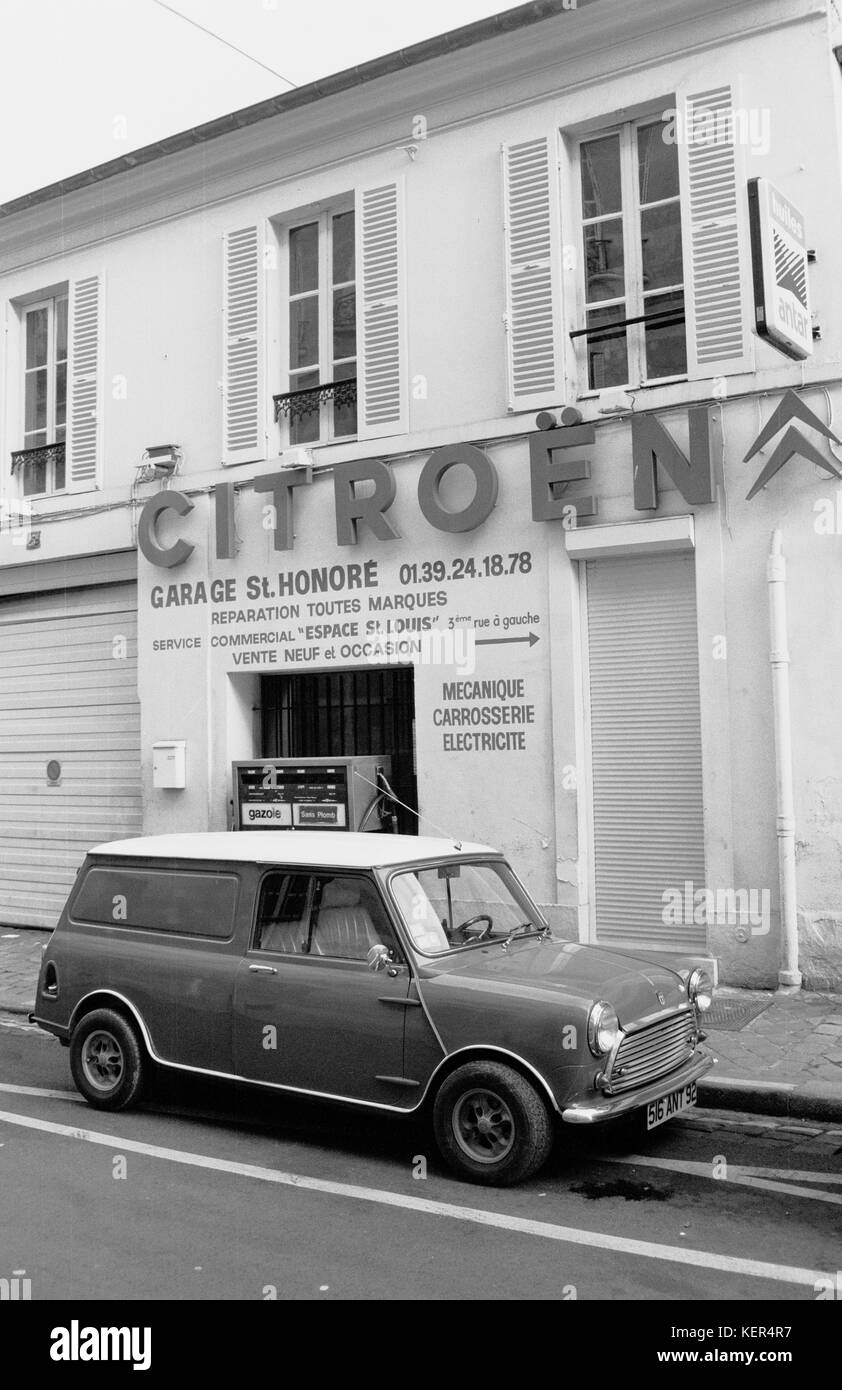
point(186, 901)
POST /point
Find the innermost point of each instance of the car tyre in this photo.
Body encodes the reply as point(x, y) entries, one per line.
point(107, 1060)
point(491, 1125)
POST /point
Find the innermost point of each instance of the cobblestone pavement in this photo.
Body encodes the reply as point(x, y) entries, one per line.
point(797, 1039)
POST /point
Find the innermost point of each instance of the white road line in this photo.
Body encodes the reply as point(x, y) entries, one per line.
point(759, 1178)
point(39, 1091)
point(702, 1259)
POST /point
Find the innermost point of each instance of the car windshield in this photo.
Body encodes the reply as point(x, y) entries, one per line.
point(449, 906)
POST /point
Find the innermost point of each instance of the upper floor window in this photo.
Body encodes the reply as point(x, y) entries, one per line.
point(633, 271)
point(322, 330)
point(41, 460)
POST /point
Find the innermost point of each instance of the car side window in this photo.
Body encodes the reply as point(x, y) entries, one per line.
point(338, 915)
point(283, 913)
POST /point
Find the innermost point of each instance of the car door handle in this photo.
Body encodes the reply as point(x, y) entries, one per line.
point(263, 969)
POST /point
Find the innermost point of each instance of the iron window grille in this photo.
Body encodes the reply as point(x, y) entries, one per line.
point(297, 405)
point(40, 464)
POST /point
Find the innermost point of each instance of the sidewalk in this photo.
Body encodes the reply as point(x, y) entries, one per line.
point(786, 1060)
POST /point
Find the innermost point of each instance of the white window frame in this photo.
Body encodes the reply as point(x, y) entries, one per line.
point(50, 303)
point(326, 287)
point(635, 296)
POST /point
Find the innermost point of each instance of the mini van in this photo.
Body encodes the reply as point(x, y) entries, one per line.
point(392, 972)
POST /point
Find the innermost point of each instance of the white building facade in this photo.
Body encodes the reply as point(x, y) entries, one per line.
point(413, 415)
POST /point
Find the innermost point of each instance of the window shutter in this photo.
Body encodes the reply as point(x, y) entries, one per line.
point(646, 747)
point(84, 422)
point(533, 301)
point(718, 339)
point(243, 314)
point(382, 407)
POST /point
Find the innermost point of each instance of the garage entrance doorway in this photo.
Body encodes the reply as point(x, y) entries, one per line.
point(346, 714)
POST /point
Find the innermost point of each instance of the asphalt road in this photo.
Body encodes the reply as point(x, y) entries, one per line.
point(221, 1192)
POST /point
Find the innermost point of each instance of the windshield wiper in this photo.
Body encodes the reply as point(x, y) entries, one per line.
point(524, 926)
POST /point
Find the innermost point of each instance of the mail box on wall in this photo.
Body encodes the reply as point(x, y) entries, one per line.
point(309, 794)
point(169, 764)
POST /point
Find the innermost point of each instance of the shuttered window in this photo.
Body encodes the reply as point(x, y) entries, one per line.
point(382, 384)
point(646, 748)
point(532, 302)
point(86, 375)
point(68, 697)
point(718, 340)
point(244, 406)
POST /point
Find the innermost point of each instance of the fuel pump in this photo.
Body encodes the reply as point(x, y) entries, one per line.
point(314, 794)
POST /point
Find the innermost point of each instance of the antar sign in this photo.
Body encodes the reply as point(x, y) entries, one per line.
point(555, 463)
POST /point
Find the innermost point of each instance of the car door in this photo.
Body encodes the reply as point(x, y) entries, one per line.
point(309, 1012)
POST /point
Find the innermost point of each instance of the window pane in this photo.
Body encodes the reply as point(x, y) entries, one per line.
point(660, 237)
point(35, 408)
point(601, 176)
point(61, 393)
point(344, 416)
point(344, 323)
point(36, 337)
point(343, 248)
point(607, 351)
point(666, 350)
point(305, 429)
point(304, 258)
point(61, 330)
point(34, 478)
point(604, 274)
point(283, 917)
point(657, 163)
point(304, 332)
point(58, 475)
point(349, 919)
point(161, 900)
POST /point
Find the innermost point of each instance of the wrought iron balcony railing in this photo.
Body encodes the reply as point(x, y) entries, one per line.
point(296, 405)
point(42, 453)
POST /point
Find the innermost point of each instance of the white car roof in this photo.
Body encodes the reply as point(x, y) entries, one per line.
point(340, 849)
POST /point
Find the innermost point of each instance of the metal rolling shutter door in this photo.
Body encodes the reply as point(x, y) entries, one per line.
point(646, 746)
point(67, 692)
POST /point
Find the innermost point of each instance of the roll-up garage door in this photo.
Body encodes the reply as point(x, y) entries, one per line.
point(646, 749)
point(69, 740)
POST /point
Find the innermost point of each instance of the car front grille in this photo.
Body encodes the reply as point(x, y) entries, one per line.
point(652, 1052)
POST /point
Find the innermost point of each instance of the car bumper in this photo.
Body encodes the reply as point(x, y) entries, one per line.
point(591, 1112)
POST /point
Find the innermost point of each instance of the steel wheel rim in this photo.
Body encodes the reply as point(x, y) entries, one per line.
point(102, 1060)
point(483, 1126)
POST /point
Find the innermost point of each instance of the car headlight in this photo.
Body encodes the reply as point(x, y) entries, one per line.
point(603, 1028)
point(700, 989)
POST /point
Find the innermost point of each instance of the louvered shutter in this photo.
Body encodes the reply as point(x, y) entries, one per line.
point(382, 407)
point(646, 747)
point(84, 420)
point(243, 404)
point(533, 304)
point(718, 339)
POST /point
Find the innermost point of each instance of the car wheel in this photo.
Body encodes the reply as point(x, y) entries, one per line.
point(491, 1125)
point(107, 1060)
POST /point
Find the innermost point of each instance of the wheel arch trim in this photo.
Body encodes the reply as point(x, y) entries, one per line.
point(485, 1052)
point(113, 995)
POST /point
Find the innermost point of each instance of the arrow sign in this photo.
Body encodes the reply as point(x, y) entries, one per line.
point(499, 641)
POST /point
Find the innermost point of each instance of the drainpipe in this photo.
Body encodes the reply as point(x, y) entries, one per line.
point(788, 975)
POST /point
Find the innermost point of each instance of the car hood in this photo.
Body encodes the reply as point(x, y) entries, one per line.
point(584, 973)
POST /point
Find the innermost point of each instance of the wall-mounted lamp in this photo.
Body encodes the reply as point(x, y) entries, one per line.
point(159, 461)
point(570, 415)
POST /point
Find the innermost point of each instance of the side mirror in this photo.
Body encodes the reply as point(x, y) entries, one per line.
point(378, 958)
